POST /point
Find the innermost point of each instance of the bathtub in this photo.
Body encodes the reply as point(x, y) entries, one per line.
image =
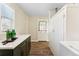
point(69, 48)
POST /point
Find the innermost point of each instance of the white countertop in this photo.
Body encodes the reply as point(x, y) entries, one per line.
point(12, 45)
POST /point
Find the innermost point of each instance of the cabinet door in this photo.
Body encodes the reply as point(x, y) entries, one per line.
point(23, 48)
point(6, 52)
point(17, 51)
point(26, 47)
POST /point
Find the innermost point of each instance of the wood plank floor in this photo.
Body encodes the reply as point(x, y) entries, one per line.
point(40, 49)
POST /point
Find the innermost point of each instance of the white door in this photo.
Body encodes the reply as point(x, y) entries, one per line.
point(50, 35)
point(58, 31)
point(42, 32)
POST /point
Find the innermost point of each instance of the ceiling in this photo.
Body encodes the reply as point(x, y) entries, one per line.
point(39, 9)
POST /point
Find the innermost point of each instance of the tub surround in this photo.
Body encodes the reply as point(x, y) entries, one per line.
point(63, 26)
point(70, 48)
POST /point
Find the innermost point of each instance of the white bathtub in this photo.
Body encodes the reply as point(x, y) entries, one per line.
point(69, 48)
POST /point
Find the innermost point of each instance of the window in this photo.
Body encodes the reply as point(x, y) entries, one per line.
point(6, 24)
point(42, 26)
point(7, 17)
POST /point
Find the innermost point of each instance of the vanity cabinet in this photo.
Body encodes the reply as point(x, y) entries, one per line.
point(23, 49)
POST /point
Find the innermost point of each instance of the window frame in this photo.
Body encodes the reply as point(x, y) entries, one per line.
point(45, 26)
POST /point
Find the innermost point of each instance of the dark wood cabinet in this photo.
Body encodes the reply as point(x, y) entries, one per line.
point(25, 47)
point(22, 49)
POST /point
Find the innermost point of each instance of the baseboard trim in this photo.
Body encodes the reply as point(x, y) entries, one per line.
point(43, 40)
point(39, 40)
point(34, 40)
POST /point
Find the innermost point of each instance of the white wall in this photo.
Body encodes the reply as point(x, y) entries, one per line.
point(21, 20)
point(73, 23)
point(33, 27)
